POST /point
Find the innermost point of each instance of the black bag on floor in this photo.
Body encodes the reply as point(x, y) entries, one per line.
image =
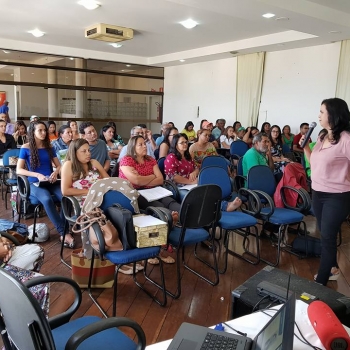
point(121, 219)
point(307, 245)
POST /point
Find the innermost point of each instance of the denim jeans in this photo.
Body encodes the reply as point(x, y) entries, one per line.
point(330, 209)
point(44, 196)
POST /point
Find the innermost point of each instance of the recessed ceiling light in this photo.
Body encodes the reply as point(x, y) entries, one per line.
point(89, 4)
point(4, 51)
point(11, 74)
point(128, 65)
point(182, 60)
point(123, 70)
point(36, 32)
point(71, 58)
point(32, 73)
point(189, 23)
point(116, 45)
point(269, 15)
point(334, 32)
point(282, 19)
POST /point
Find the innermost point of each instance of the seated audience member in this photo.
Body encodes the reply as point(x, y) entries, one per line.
point(202, 147)
point(10, 128)
point(265, 128)
point(201, 123)
point(321, 134)
point(142, 171)
point(6, 141)
point(147, 135)
point(219, 128)
point(250, 132)
point(75, 131)
point(163, 129)
point(51, 127)
point(276, 151)
point(236, 125)
point(98, 148)
point(240, 133)
point(189, 131)
point(35, 161)
point(165, 145)
point(113, 146)
point(227, 138)
point(135, 131)
point(287, 137)
point(259, 154)
point(116, 136)
point(209, 126)
point(304, 128)
point(62, 143)
point(171, 124)
point(20, 134)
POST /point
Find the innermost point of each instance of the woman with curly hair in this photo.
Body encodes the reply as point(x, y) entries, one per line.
point(35, 161)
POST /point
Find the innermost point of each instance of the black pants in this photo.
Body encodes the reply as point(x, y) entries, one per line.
point(330, 209)
point(167, 202)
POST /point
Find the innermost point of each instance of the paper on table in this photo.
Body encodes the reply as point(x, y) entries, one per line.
point(188, 187)
point(146, 220)
point(152, 194)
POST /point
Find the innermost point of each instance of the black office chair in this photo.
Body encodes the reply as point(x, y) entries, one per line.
point(24, 322)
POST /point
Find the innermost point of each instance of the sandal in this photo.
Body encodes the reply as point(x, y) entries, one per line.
point(70, 245)
point(125, 269)
point(153, 261)
point(168, 259)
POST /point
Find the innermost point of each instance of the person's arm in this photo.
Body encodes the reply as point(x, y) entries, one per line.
point(246, 135)
point(54, 175)
point(5, 252)
point(20, 169)
point(225, 145)
point(135, 178)
point(163, 150)
point(270, 160)
point(100, 169)
point(150, 138)
point(107, 165)
point(296, 148)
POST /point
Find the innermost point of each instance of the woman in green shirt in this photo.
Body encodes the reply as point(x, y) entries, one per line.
point(287, 137)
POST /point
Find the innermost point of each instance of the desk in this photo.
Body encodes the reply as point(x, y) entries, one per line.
point(251, 324)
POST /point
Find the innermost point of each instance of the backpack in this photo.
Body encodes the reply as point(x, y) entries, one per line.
point(121, 219)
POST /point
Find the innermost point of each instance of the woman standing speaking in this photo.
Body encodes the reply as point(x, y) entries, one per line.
point(330, 175)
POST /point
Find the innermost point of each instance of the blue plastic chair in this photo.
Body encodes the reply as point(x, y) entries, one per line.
point(219, 161)
point(161, 166)
point(238, 149)
point(120, 258)
point(243, 223)
point(27, 327)
point(260, 179)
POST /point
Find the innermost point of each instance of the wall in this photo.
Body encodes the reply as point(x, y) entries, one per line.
point(211, 86)
point(295, 83)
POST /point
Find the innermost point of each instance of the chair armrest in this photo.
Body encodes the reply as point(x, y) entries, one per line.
point(254, 203)
point(269, 200)
point(171, 186)
point(303, 200)
point(65, 316)
point(23, 186)
point(78, 337)
point(70, 203)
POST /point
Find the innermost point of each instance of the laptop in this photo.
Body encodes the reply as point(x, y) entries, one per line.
point(277, 334)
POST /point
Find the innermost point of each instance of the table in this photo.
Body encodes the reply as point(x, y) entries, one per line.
point(251, 324)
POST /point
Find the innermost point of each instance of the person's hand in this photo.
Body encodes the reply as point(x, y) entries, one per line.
point(53, 177)
point(5, 251)
point(301, 140)
point(41, 177)
point(193, 176)
point(149, 134)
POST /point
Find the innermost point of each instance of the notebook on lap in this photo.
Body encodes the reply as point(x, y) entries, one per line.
point(277, 334)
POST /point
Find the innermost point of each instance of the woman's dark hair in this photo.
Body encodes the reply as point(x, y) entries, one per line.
point(104, 129)
point(188, 124)
point(130, 150)
point(71, 121)
point(49, 123)
point(252, 128)
point(234, 125)
point(286, 126)
point(201, 124)
point(227, 129)
point(34, 154)
point(263, 126)
point(61, 130)
point(174, 150)
point(77, 168)
point(20, 123)
point(166, 135)
point(114, 126)
point(279, 137)
point(338, 117)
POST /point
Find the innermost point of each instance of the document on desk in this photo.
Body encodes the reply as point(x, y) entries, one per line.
point(155, 193)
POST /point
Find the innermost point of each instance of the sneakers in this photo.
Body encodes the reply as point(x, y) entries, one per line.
point(333, 276)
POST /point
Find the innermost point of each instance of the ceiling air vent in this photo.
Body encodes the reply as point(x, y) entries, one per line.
point(107, 32)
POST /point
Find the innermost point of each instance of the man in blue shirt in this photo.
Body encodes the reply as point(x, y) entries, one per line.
point(98, 147)
point(5, 109)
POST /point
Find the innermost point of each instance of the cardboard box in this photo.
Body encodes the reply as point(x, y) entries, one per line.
point(150, 231)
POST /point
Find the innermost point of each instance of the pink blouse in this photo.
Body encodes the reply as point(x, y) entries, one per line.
point(144, 169)
point(173, 166)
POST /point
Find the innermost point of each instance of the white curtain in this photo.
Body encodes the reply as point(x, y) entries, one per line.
point(250, 69)
point(343, 81)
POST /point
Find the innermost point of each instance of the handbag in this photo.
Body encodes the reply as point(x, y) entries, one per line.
point(102, 274)
point(110, 233)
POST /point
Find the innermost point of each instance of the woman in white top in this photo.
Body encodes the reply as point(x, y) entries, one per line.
point(227, 138)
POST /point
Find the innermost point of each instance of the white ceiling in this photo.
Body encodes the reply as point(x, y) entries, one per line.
point(224, 26)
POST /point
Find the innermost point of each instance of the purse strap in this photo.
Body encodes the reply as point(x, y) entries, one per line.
point(88, 219)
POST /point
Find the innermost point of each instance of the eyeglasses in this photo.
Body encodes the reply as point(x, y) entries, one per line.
point(172, 134)
point(183, 143)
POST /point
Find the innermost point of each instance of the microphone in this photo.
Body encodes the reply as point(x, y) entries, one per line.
point(327, 326)
point(308, 134)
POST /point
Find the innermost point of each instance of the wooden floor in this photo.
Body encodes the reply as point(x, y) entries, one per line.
point(199, 303)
